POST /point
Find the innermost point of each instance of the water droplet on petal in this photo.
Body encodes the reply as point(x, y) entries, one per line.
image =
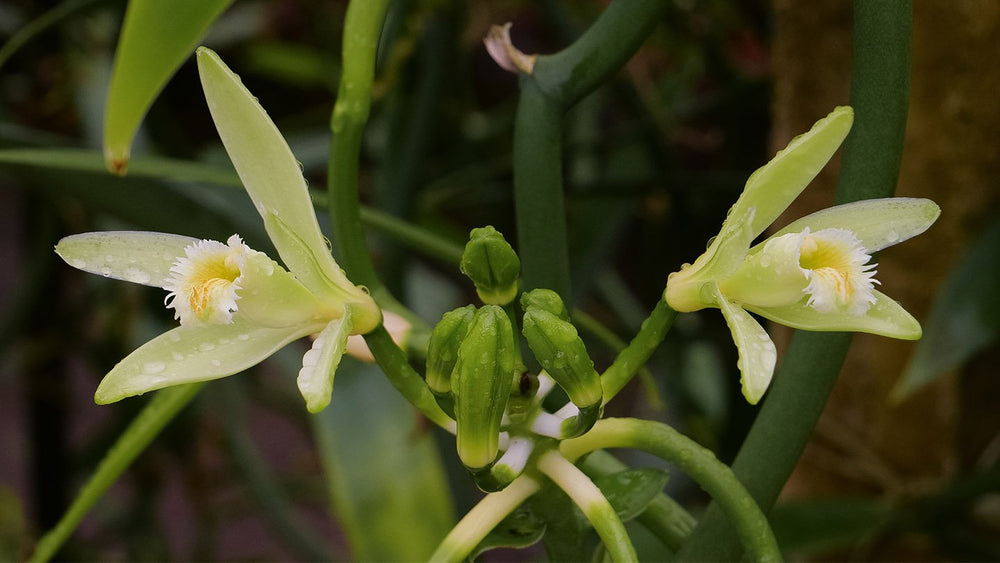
point(77, 263)
point(177, 356)
point(135, 275)
point(174, 337)
point(154, 367)
point(892, 236)
point(216, 363)
point(243, 337)
point(206, 346)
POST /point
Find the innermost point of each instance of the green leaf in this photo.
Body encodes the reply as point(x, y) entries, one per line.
point(386, 480)
point(886, 317)
point(521, 528)
point(156, 37)
point(877, 223)
point(819, 526)
point(568, 534)
point(630, 491)
point(964, 319)
point(192, 354)
point(133, 256)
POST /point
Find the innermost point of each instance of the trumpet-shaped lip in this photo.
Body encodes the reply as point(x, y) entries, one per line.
point(204, 283)
point(839, 274)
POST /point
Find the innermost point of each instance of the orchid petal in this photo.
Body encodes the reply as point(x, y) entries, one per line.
point(134, 256)
point(773, 187)
point(192, 354)
point(269, 171)
point(886, 317)
point(319, 364)
point(877, 223)
point(757, 352)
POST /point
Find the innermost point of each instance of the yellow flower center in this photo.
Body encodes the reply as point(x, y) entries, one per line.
point(204, 283)
point(837, 268)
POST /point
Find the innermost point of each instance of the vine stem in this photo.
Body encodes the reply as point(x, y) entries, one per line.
point(592, 503)
point(483, 517)
point(701, 464)
point(160, 410)
point(630, 360)
point(804, 381)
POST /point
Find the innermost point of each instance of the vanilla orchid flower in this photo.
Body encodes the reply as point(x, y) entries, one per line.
point(814, 274)
point(236, 306)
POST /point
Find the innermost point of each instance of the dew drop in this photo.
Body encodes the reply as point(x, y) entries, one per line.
point(154, 367)
point(216, 363)
point(77, 263)
point(224, 341)
point(174, 337)
point(177, 356)
point(243, 337)
point(892, 236)
point(135, 275)
point(206, 346)
point(106, 271)
point(109, 258)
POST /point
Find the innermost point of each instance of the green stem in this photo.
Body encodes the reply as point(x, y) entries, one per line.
point(362, 25)
point(642, 346)
point(711, 474)
point(408, 382)
point(872, 152)
point(592, 503)
point(160, 410)
point(483, 517)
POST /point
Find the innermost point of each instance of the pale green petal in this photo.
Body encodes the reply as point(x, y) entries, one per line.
point(305, 263)
point(134, 256)
point(773, 187)
point(886, 317)
point(771, 277)
point(188, 355)
point(320, 364)
point(270, 296)
point(269, 171)
point(877, 223)
point(757, 352)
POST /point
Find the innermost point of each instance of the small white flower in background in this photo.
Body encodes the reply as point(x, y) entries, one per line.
point(236, 306)
point(814, 274)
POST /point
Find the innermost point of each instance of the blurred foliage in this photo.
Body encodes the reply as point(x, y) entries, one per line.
point(652, 161)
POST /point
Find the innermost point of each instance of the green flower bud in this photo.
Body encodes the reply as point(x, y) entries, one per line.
point(491, 264)
point(482, 384)
point(442, 353)
point(558, 347)
point(545, 300)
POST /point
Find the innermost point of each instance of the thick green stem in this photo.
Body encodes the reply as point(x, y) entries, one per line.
point(483, 517)
point(592, 503)
point(711, 474)
point(633, 357)
point(154, 416)
point(872, 152)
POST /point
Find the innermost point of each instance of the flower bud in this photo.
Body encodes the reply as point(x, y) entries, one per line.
point(482, 383)
point(558, 347)
point(491, 264)
point(545, 300)
point(442, 353)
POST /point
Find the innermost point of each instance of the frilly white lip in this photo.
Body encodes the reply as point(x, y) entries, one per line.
point(204, 283)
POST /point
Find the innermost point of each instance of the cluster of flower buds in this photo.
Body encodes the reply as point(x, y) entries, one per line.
point(477, 375)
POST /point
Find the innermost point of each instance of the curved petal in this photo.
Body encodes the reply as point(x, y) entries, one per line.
point(188, 355)
point(319, 365)
point(877, 223)
point(886, 317)
point(134, 256)
point(757, 352)
point(773, 187)
point(269, 171)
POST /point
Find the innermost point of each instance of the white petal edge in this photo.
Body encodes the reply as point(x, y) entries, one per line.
point(886, 317)
point(189, 355)
point(319, 364)
point(773, 187)
point(757, 352)
point(878, 223)
point(134, 256)
point(269, 171)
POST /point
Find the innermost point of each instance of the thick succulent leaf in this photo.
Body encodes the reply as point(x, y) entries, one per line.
point(319, 365)
point(520, 529)
point(757, 352)
point(134, 256)
point(886, 317)
point(877, 223)
point(190, 354)
point(630, 491)
point(267, 167)
point(964, 319)
point(773, 187)
point(155, 39)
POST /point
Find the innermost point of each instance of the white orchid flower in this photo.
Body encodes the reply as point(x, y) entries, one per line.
point(814, 274)
point(236, 306)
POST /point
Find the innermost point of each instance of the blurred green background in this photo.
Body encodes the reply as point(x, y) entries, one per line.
point(652, 161)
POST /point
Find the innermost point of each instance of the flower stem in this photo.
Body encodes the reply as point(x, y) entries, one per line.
point(592, 503)
point(711, 474)
point(634, 356)
point(872, 152)
point(483, 517)
point(160, 410)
